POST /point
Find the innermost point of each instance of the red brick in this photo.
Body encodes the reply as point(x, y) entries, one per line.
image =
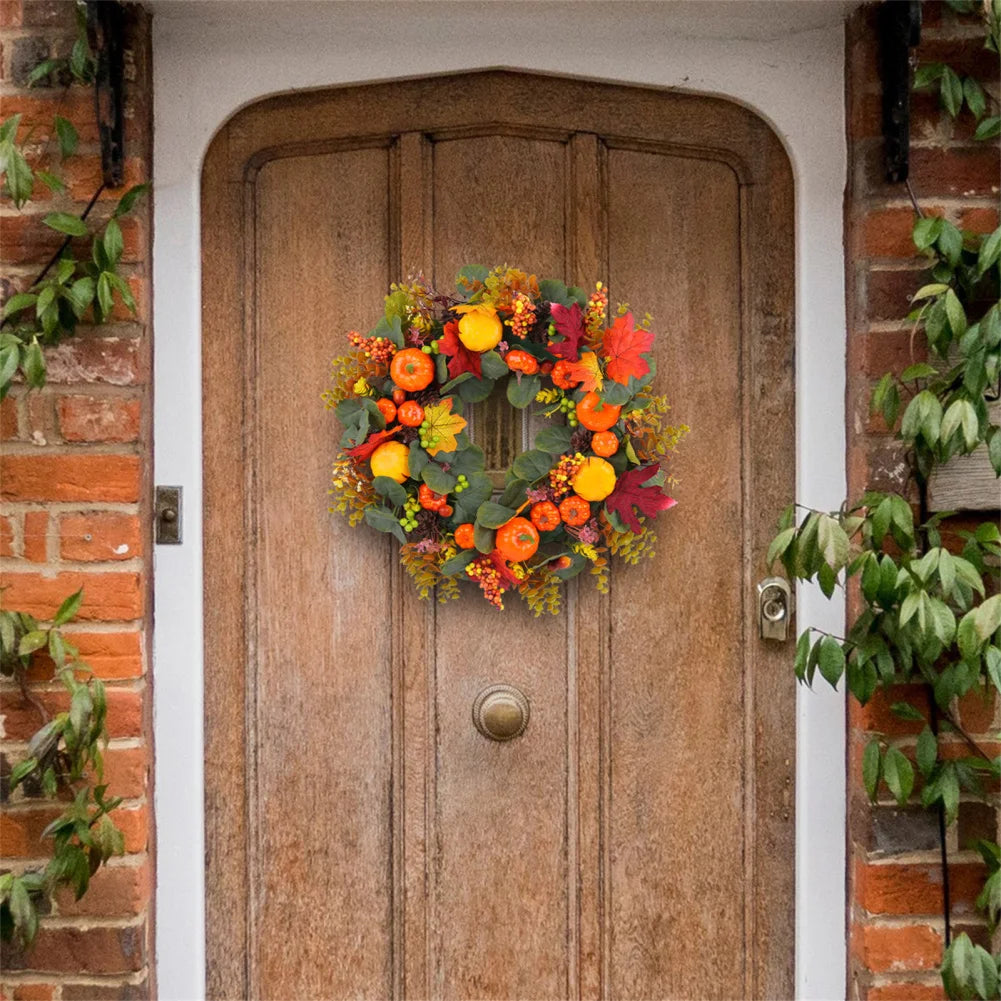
point(979, 220)
point(906, 992)
point(884, 949)
point(110, 656)
point(21, 719)
point(100, 535)
point(960, 171)
point(114, 891)
point(10, 17)
point(107, 596)
point(50, 477)
point(978, 711)
point(876, 716)
point(115, 361)
point(40, 426)
point(888, 293)
point(133, 822)
point(48, 14)
point(899, 888)
point(83, 176)
point(891, 351)
point(21, 832)
point(6, 537)
point(9, 419)
point(33, 992)
point(103, 950)
point(125, 770)
point(36, 527)
point(97, 418)
point(887, 233)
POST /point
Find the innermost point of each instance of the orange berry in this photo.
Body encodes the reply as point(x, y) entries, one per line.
point(410, 414)
point(446, 510)
point(604, 443)
point(399, 396)
point(387, 408)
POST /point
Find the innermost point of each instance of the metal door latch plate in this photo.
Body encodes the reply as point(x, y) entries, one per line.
point(167, 516)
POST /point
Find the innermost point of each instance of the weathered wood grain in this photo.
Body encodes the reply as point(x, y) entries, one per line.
point(647, 809)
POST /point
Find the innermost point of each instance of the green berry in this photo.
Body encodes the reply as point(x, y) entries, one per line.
point(426, 349)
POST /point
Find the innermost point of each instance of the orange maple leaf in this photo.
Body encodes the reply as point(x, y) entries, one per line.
point(441, 422)
point(587, 372)
point(624, 346)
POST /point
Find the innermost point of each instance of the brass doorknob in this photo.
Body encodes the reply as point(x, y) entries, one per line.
point(500, 712)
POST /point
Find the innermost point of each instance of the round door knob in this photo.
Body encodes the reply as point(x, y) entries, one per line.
point(500, 712)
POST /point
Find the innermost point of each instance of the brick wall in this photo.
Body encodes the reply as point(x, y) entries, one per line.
point(74, 480)
point(895, 877)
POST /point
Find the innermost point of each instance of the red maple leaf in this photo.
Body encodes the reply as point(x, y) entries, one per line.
point(460, 358)
point(623, 345)
point(629, 492)
point(370, 444)
point(569, 325)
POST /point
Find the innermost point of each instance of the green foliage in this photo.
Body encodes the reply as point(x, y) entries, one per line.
point(929, 612)
point(64, 755)
point(84, 278)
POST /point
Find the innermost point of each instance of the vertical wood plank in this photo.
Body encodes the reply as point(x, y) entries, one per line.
point(588, 649)
point(415, 727)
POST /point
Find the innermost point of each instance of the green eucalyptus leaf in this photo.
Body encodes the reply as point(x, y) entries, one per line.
point(491, 515)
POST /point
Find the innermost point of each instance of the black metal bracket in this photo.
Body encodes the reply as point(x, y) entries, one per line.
point(899, 31)
point(106, 31)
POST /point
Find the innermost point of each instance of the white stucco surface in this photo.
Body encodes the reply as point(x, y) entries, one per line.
point(782, 59)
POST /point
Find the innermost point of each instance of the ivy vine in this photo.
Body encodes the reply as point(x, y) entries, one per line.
point(79, 284)
point(930, 613)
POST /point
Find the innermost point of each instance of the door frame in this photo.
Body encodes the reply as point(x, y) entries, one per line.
point(188, 66)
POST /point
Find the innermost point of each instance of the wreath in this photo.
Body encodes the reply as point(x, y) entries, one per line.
point(590, 487)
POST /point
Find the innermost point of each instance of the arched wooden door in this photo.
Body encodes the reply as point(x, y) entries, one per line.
point(363, 840)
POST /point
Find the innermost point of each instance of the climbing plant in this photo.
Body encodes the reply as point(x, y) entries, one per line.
point(80, 284)
point(928, 612)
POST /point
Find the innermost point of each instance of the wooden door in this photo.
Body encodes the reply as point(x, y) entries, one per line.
point(363, 840)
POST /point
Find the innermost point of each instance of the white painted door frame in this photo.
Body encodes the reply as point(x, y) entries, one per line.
point(783, 60)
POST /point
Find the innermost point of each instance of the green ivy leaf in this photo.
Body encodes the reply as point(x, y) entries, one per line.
point(64, 222)
point(68, 138)
point(898, 774)
point(127, 202)
point(926, 752)
point(871, 768)
point(975, 99)
point(831, 660)
point(951, 91)
point(989, 128)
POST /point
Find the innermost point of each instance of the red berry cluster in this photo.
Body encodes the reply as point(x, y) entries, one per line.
point(483, 571)
point(522, 315)
point(379, 349)
point(594, 315)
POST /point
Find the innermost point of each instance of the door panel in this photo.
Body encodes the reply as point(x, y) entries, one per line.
point(319, 684)
point(363, 839)
point(678, 778)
